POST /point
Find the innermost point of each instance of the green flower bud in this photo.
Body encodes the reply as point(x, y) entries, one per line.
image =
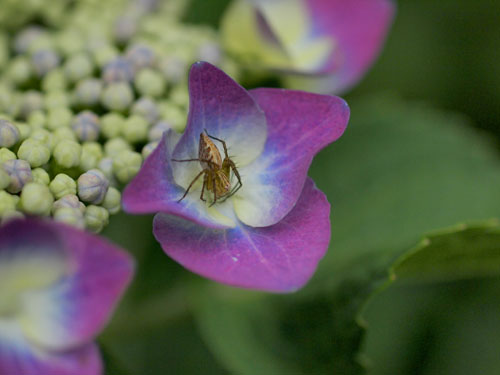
point(86, 126)
point(92, 153)
point(88, 92)
point(56, 99)
point(70, 201)
point(7, 203)
point(135, 129)
point(63, 133)
point(180, 95)
point(150, 83)
point(58, 117)
point(92, 186)
point(41, 176)
point(9, 134)
point(44, 60)
point(20, 174)
point(31, 101)
point(149, 148)
point(115, 145)
point(140, 56)
point(55, 80)
point(36, 199)
point(44, 136)
point(106, 166)
point(34, 152)
point(62, 185)
point(105, 54)
point(19, 70)
point(4, 179)
point(174, 68)
point(126, 164)
point(174, 115)
point(70, 42)
point(112, 201)
point(77, 67)
point(111, 125)
point(11, 215)
point(96, 218)
point(6, 154)
point(117, 96)
point(24, 130)
point(146, 108)
point(70, 216)
point(156, 132)
point(37, 119)
point(67, 153)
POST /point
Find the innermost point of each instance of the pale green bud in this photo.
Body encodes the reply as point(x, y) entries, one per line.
point(67, 153)
point(96, 218)
point(111, 125)
point(59, 117)
point(36, 199)
point(173, 68)
point(70, 201)
point(62, 185)
point(88, 92)
point(41, 176)
point(156, 132)
point(19, 70)
point(7, 203)
point(117, 96)
point(92, 186)
point(112, 201)
point(56, 99)
point(150, 83)
point(31, 101)
point(24, 130)
point(77, 67)
point(70, 216)
point(115, 145)
point(20, 174)
point(55, 80)
point(92, 153)
point(180, 95)
point(63, 133)
point(146, 108)
point(126, 164)
point(4, 179)
point(106, 166)
point(174, 115)
point(9, 134)
point(11, 215)
point(86, 126)
point(105, 54)
point(148, 149)
point(37, 119)
point(44, 136)
point(34, 152)
point(135, 129)
point(44, 60)
point(6, 154)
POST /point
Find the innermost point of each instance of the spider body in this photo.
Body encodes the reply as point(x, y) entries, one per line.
point(216, 171)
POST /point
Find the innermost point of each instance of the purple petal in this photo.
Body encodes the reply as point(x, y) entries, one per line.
point(226, 111)
point(18, 357)
point(359, 28)
point(72, 310)
point(279, 258)
point(299, 125)
point(154, 190)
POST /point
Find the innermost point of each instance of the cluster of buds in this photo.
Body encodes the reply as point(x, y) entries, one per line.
point(83, 105)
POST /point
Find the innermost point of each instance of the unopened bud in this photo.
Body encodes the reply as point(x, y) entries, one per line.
point(146, 108)
point(150, 83)
point(96, 218)
point(4, 179)
point(77, 67)
point(118, 70)
point(36, 199)
point(70, 201)
point(156, 132)
point(44, 61)
point(67, 153)
point(126, 164)
point(6, 154)
point(149, 148)
point(62, 185)
point(41, 176)
point(88, 92)
point(70, 216)
point(112, 124)
point(92, 186)
point(7, 203)
point(20, 174)
point(9, 134)
point(86, 126)
point(135, 129)
point(112, 201)
point(92, 153)
point(117, 96)
point(115, 145)
point(59, 117)
point(34, 152)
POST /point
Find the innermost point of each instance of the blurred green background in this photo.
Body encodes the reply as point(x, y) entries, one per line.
point(420, 154)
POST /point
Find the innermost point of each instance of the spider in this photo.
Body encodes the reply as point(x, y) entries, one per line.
point(216, 172)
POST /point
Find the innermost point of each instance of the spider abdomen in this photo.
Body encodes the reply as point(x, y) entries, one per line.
point(209, 154)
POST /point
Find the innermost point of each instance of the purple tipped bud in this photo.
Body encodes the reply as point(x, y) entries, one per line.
point(156, 132)
point(19, 172)
point(146, 108)
point(44, 61)
point(140, 56)
point(118, 70)
point(9, 134)
point(86, 126)
point(92, 186)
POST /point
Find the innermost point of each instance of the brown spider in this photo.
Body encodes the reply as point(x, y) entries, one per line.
point(216, 171)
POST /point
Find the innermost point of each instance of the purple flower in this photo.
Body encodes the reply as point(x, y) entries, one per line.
point(58, 286)
point(321, 45)
point(271, 233)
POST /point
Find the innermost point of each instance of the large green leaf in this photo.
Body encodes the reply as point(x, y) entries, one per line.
point(399, 171)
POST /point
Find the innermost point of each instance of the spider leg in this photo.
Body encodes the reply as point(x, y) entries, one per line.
point(215, 191)
point(203, 188)
point(203, 160)
point(221, 141)
point(191, 184)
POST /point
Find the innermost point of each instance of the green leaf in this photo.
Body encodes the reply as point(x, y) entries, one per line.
point(400, 170)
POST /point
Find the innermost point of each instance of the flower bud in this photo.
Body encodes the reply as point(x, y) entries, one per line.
point(67, 153)
point(140, 56)
point(156, 132)
point(20, 174)
point(135, 129)
point(37, 119)
point(211, 52)
point(7, 203)
point(111, 125)
point(78, 67)
point(112, 201)
point(24, 130)
point(41, 176)
point(71, 216)
point(149, 148)
point(11, 215)
point(86, 126)
point(118, 70)
point(174, 115)
point(150, 83)
point(63, 133)
point(126, 164)
point(88, 92)
point(19, 70)
point(44, 136)
point(106, 166)
point(70, 201)
point(117, 96)
point(9, 134)
point(6, 154)
point(62, 185)
point(124, 28)
point(36, 199)
point(173, 68)
point(92, 153)
point(59, 117)
point(104, 54)
point(31, 101)
point(146, 108)
point(56, 99)
point(115, 145)
point(96, 218)
point(34, 152)
point(179, 95)
point(27, 37)
point(55, 80)
point(4, 179)
point(44, 61)
point(92, 186)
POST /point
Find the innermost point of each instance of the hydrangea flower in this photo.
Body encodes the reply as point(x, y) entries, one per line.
point(327, 44)
point(271, 233)
point(58, 286)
